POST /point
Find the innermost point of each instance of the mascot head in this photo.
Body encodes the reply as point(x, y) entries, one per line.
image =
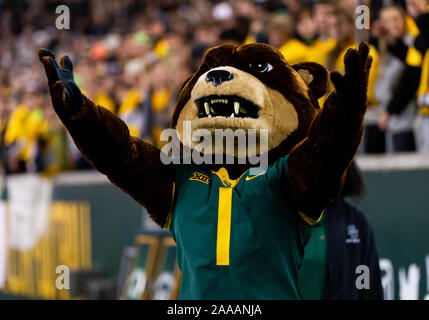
point(251, 87)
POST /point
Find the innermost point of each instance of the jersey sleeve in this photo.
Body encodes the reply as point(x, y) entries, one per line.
point(277, 172)
point(179, 177)
point(167, 224)
point(183, 173)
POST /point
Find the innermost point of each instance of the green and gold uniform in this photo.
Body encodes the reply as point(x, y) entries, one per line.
point(237, 239)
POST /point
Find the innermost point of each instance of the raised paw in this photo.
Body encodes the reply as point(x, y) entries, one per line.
point(64, 91)
point(351, 87)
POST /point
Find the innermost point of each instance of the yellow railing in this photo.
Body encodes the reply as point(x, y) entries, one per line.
point(32, 273)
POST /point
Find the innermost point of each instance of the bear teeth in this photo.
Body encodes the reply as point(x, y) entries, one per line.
point(236, 107)
point(227, 107)
point(225, 101)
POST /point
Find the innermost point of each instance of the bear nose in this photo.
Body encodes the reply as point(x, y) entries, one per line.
point(219, 76)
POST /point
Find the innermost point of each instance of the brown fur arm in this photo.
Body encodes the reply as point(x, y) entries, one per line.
point(104, 140)
point(318, 165)
point(130, 163)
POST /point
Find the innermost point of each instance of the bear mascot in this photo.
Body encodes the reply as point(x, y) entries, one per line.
point(240, 234)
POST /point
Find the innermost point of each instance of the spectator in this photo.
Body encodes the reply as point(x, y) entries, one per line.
point(322, 12)
point(342, 29)
point(340, 243)
point(302, 43)
point(410, 79)
point(306, 30)
point(256, 16)
point(281, 35)
point(125, 52)
point(393, 35)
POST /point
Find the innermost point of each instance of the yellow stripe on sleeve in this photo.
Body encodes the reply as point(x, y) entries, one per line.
point(167, 224)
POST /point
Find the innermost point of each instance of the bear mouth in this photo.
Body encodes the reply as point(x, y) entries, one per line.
point(227, 106)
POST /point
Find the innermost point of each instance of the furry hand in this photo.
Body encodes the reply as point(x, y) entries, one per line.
point(351, 88)
point(65, 94)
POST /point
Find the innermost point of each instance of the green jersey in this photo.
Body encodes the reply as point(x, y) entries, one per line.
point(314, 269)
point(237, 239)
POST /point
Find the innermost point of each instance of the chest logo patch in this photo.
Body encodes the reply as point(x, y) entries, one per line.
point(200, 177)
point(353, 234)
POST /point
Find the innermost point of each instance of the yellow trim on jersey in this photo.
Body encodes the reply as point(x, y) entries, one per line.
point(224, 226)
point(167, 224)
point(423, 89)
point(414, 57)
point(223, 175)
point(411, 26)
point(308, 220)
point(424, 111)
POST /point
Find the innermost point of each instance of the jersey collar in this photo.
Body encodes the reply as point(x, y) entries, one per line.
point(223, 175)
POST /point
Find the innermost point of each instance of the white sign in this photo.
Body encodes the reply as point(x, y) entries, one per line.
point(29, 199)
point(2, 244)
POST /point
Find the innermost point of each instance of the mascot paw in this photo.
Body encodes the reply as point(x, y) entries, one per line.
point(65, 94)
point(352, 86)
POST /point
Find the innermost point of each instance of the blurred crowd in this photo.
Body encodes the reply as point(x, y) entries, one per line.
point(132, 57)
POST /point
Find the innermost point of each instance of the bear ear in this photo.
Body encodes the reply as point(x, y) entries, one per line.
point(315, 76)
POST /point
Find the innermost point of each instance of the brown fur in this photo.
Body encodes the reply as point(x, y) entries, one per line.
point(283, 79)
point(321, 144)
point(276, 113)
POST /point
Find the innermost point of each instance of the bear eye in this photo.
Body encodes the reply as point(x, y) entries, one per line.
point(261, 67)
